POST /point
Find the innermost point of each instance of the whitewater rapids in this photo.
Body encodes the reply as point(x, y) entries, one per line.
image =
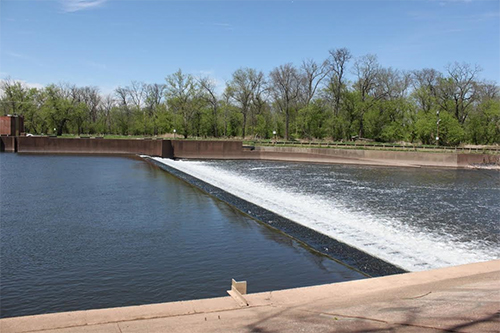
point(380, 235)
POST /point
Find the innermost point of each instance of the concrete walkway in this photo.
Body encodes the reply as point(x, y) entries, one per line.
point(457, 299)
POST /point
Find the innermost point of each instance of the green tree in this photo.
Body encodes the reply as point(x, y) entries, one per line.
point(59, 109)
point(183, 96)
point(483, 126)
point(312, 120)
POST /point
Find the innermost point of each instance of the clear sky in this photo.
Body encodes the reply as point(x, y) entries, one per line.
point(108, 43)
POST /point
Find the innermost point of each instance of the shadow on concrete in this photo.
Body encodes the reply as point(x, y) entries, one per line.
point(315, 322)
point(491, 324)
point(494, 319)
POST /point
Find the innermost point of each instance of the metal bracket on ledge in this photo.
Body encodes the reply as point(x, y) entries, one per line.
point(238, 289)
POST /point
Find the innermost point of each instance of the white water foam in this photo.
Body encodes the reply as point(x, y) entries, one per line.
point(381, 236)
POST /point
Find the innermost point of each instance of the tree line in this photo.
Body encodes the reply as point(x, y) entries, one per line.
point(340, 98)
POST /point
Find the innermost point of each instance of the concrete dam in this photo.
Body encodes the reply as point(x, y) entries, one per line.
point(207, 149)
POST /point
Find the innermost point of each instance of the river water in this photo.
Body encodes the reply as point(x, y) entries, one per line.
point(85, 232)
point(415, 218)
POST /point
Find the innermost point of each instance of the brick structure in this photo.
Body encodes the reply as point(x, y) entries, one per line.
point(11, 125)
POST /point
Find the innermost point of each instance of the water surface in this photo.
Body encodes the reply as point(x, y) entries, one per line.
point(415, 218)
point(84, 232)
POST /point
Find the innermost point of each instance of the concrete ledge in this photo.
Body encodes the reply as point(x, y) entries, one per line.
point(462, 298)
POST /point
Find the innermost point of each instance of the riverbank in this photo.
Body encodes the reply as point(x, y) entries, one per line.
point(455, 299)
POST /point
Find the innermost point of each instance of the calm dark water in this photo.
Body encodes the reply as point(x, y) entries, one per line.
point(82, 232)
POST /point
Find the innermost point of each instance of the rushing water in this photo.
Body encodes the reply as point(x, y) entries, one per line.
point(417, 219)
point(93, 232)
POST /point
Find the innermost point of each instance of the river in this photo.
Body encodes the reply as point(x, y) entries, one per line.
point(86, 232)
point(415, 218)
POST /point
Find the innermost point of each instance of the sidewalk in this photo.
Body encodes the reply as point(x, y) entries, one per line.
point(457, 299)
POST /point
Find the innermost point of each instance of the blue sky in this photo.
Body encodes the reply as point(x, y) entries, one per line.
point(108, 43)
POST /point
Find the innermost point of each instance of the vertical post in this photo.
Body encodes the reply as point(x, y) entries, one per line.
point(437, 128)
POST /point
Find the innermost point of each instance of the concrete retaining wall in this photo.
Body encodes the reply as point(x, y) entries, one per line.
point(475, 159)
point(208, 149)
point(375, 157)
point(163, 148)
point(88, 146)
point(7, 144)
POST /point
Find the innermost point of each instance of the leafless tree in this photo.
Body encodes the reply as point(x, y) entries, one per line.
point(154, 96)
point(122, 96)
point(465, 88)
point(226, 109)
point(392, 83)
point(337, 63)
point(312, 75)
point(137, 94)
point(107, 104)
point(425, 83)
point(208, 87)
point(284, 85)
point(242, 89)
point(488, 90)
point(367, 70)
point(88, 95)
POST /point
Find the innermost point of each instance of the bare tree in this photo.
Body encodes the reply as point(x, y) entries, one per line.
point(259, 103)
point(122, 96)
point(208, 86)
point(337, 63)
point(91, 97)
point(392, 83)
point(242, 89)
point(154, 95)
point(137, 94)
point(312, 75)
point(226, 110)
point(367, 70)
point(123, 117)
point(285, 83)
point(465, 88)
point(488, 90)
point(107, 104)
point(425, 83)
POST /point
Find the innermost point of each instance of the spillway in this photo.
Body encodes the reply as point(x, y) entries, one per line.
point(414, 219)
